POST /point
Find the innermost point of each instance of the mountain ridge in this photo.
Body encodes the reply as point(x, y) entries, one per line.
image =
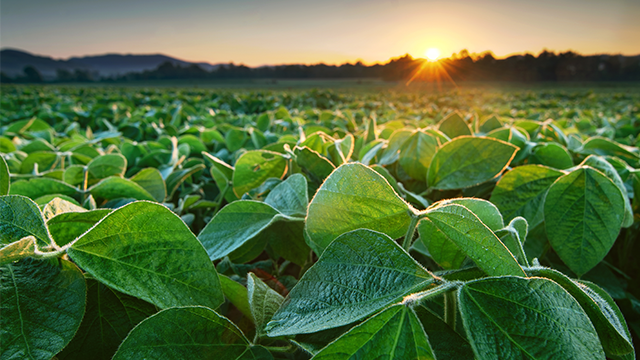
point(13, 61)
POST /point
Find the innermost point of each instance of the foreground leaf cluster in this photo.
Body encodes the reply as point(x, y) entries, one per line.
point(172, 224)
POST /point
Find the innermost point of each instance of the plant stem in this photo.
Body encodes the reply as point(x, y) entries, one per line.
point(406, 243)
point(450, 309)
point(433, 292)
point(278, 348)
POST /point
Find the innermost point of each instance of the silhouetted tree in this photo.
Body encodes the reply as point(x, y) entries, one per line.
point(32, 74)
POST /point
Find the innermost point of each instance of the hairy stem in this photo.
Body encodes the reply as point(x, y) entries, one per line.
point(450, 309)
point(406, 243)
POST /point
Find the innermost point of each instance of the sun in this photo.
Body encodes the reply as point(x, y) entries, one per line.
point(432, 54)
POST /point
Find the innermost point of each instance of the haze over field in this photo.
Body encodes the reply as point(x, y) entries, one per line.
point(257, 32)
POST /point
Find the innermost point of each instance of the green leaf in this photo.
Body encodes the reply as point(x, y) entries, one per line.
point(151, 180)
point(263, 300)
point(489, 124)
point(109, 317)
point(42, 304)
point(235, 225)
point(513, 237)
point(416, 154)
point(66, 227)
point(521, 192)
point(107, 165)
point(602, 146)
point(290, 197)
point(583, 213)
point(603, 165)
point(395, 333)
point(601, 309)
point(360, 273)
point(116, 187)
point(145, 250)
point(483, 209)
point(235, 139)
point(354, 197)
point(38, 187)
point(286, 238)
point(44, 159)
point(510, 317)
point(392, 152)
point(18, 250)
point(178, 177)
point(182, 333)
point(59, 206)
point(254, 167)
point(4, 177)
point(74, 175)
point(551, 154)
point(237, 295)
point(19, 218)
point(315, 164)
point(453, 126)
point(452, 231)
point(468, 161)
point(220, 170)
point(446, 343)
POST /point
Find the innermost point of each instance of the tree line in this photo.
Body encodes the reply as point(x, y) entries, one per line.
point(547, 66)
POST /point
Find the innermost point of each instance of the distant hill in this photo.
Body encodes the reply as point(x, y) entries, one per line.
point(13, 61)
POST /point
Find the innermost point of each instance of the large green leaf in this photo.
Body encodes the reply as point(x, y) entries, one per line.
point(145, 250)
point(521, 192)
point(416, 154)
point(360, 273)
point(237, 224)
point(583, 213)
point(4, 177)
point(454, 125)
point(452, 232)
point(66, 227)
point(394, 334)
point(42, 303)
point(510, 318)
point(483, 209)
point(353, 197)
point(192, 332)
point(116, 187)
point(603, 165)
point(290, 197)
point(263, 301)
point(447, 344)
point(601, 309)
point(467, 161)
point(254, 167)
point(38, 187)
point(19, 218)
point(109, 317)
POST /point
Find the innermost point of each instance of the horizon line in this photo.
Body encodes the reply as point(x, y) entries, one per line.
point(473, 55)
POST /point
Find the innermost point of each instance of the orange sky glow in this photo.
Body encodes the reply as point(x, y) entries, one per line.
point(282, 31)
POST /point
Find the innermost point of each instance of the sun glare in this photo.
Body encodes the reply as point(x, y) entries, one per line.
point(432, 54)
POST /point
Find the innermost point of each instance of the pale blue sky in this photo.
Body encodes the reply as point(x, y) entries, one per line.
point(285, 31)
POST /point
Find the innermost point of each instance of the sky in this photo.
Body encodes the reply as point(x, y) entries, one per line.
point(261, 32)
